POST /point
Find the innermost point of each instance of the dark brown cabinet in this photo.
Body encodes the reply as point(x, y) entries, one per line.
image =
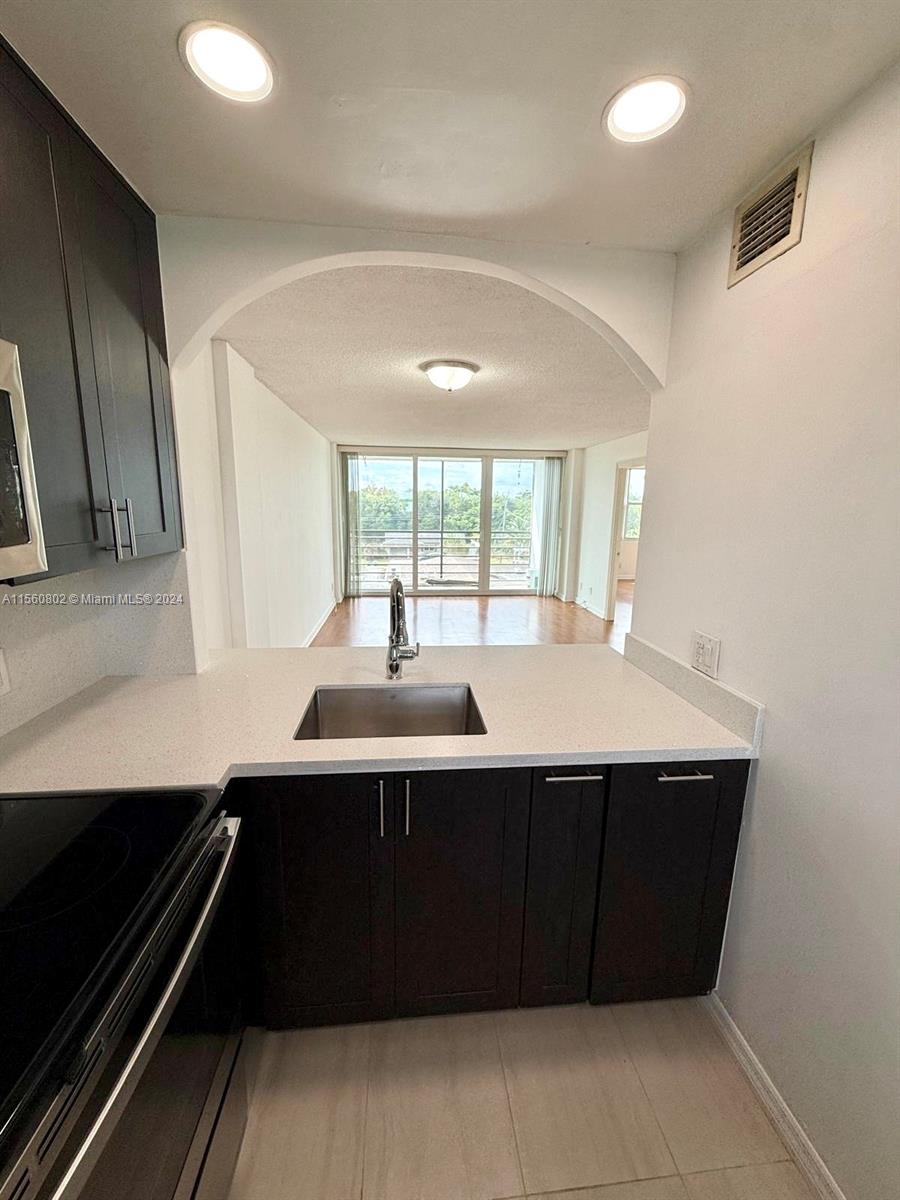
point(117, 239)
point(80, 296)
point(42, 310)
point(567, 808)
point(324, 846)
point(461, 847)
point(665, 878)
point(455, 891)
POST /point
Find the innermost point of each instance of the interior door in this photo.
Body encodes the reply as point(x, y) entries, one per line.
point(460, 880)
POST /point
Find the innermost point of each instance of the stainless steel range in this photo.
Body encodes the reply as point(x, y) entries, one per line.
point(120, 1005)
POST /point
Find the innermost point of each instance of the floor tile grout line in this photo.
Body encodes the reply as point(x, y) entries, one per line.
point(775, 1162)
point(647, 1097)
point(365, 1120)
point(595, 1187)
point(512, 1119)
point(788, 1157)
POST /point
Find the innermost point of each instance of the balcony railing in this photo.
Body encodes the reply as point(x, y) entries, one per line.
point(446, 561)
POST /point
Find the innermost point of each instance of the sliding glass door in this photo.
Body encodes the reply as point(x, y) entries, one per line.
point(513, 567)
point(450, 523)
point(379, 507)
point(449, 500)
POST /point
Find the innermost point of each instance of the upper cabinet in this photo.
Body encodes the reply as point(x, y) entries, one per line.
point(39, 269)
point(80, 297)
point(120, 269)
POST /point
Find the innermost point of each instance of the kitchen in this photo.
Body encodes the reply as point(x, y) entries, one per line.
point(520, 914)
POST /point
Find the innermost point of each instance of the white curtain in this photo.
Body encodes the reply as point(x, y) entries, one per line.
point(350, 521)
point(548, 564)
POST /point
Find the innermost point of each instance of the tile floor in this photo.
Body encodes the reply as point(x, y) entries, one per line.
point(625, 1102)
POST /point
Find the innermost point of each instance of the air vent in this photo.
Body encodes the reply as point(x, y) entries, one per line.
point(770, 220)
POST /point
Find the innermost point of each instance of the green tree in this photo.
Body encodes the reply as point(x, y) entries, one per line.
point(383, 508)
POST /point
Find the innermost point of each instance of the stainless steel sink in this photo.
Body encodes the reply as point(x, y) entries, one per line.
point(391, 710)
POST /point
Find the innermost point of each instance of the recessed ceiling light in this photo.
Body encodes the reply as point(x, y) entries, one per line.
point(226, 60)
point(645, 109)
point(449, 376)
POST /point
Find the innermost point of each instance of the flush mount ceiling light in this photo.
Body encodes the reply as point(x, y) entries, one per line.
point(449, 376)
point(646, 109)
point(226, 60)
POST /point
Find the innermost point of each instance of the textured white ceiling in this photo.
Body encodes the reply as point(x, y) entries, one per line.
point(343, 348)
point(477, 117)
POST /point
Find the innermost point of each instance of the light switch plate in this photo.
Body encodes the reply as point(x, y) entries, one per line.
point(4, 675)
point(705, 654)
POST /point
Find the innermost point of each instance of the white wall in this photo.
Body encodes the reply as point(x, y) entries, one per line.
point(54, 650)
point(212, 267)
point(628, 556)
point(598, 500)
point(196, 430)
point(771, 522)
point(278, 516)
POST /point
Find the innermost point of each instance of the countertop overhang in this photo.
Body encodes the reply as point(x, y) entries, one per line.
point(542, 705)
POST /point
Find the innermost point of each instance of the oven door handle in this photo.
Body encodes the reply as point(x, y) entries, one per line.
point(78, 1171)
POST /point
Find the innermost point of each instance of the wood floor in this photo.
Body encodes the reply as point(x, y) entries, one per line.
point(623, 1102)
point(479, 621)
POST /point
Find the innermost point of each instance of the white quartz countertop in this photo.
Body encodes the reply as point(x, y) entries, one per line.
point(542, 705)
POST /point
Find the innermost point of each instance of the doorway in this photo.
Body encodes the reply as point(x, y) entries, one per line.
point(625, 541)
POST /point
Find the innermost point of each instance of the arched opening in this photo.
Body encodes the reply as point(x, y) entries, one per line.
point(300, 345)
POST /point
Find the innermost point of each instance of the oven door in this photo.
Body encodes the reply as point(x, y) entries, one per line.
point(21, 536)
point(166, 1119)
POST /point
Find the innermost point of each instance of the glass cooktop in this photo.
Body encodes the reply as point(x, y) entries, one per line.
point(78, 877)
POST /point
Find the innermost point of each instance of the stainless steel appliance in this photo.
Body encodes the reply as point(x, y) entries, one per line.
point(21, 536)
point(121, 1007)
point(398, 638)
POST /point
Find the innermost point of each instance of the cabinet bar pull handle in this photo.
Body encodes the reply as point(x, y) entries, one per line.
point(113, 511)
point(573, 779)
point(406, 816)
point(695, 778)
point(381, 808)
point(132, 535)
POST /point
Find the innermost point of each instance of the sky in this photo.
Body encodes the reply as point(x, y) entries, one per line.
point(510, 475)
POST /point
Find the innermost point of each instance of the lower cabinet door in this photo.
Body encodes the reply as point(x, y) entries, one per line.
point(460, 885)
point(563, 866)
point(325, 849)
point(668, 857)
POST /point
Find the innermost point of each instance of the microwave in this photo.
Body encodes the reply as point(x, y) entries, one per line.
point(22, 550)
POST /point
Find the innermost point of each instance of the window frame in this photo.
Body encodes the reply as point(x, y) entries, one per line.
point(631, 504)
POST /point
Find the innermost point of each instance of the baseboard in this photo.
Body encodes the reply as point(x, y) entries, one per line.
point(595, 612)
point(792, 1133)
point(321, 621)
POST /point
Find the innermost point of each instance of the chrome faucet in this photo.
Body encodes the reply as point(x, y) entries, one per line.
point(398, 639)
